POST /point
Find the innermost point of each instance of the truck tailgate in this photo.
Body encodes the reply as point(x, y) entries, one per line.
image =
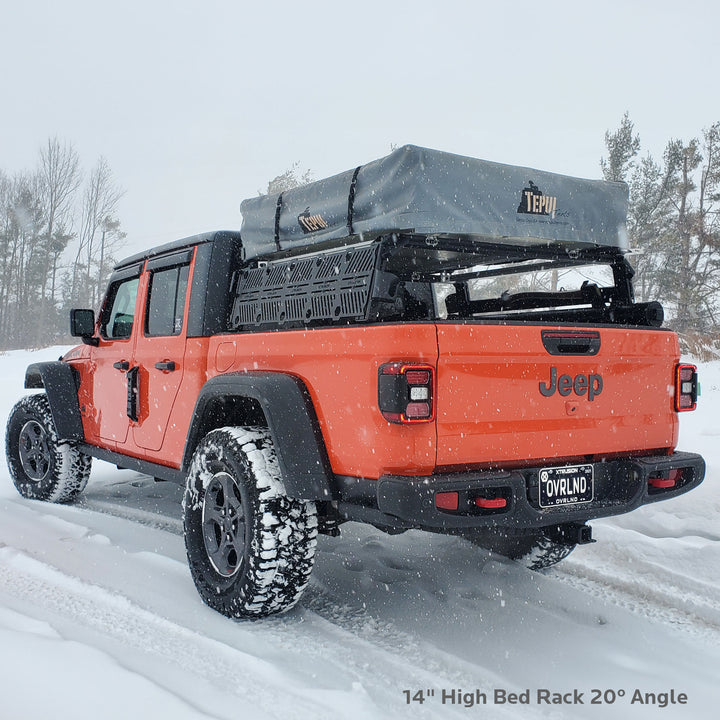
point(503, 397)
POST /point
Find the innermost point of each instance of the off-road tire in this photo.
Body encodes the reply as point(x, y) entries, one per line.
point(531, 548)
point(42, 466)
point(250, 548)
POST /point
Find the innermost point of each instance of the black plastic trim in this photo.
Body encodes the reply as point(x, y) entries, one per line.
point(335, 287)
point(210, 295)
point(199, 290)
point(351, 200)
point(183, 257)
point(61, 382)
point(403, 502)
point(127, 272)
point(127, 462)
point(455, 321)
point(554, 322)
point(571, 342)
point(291, 419)
point(133, 393)
point(278, 211)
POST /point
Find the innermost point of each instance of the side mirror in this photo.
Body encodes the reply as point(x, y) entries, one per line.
point(82, 325)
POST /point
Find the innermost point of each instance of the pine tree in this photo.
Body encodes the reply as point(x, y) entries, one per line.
point(673, 225)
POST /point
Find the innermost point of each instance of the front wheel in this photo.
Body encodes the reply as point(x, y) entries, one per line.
point(250, 548)
point(42, 466)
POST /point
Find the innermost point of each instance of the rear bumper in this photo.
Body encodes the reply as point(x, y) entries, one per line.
point(620, 486)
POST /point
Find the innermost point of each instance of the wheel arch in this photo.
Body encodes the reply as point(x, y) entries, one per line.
point(280, 402)
point(60, 382)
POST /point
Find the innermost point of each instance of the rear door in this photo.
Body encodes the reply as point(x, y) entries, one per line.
point(160, 349)
point(511, 393)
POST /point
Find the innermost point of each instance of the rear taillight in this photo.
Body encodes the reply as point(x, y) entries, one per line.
point(406, 392)
point(686, 386)
point(447, 500)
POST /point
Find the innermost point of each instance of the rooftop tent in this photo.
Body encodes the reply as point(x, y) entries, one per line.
point(428, 192)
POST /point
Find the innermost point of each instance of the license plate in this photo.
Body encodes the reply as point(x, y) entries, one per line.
point(569, 485)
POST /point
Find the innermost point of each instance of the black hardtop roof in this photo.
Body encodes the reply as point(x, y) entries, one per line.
point(170, 247)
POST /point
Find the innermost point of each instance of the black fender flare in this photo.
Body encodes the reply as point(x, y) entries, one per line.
point(291, 419)
point(61, 382)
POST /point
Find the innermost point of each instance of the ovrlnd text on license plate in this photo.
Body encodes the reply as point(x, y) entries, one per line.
point(568, 485)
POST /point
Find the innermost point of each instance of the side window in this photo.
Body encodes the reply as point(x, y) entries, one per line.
point(119, 310)
point(166, 301)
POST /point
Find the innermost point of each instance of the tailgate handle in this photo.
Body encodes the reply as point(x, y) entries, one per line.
point(571, 342)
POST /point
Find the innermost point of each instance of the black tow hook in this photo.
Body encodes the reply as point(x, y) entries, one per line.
point(570, 534)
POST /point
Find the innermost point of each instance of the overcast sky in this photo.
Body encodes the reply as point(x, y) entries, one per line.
point(196, 105)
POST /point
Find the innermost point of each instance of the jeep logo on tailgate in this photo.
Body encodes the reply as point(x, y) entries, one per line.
point(592, 385)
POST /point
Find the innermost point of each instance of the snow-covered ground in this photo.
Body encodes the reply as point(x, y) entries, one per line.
point(99, 617)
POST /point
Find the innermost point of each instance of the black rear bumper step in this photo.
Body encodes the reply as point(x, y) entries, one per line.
point(622, 485)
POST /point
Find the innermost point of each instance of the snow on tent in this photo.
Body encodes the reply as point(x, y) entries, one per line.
point(431, 193)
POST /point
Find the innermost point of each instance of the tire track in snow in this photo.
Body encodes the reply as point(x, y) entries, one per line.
point(357, 634)
point(401, 660)
point(351, 627)
point(157, 521)
point(386, 659)
point(373, 654)
point(657, 600)
point(115, 616)
point(350, 635)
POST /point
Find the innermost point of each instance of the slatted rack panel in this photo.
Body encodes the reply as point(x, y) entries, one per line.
point(325, 288)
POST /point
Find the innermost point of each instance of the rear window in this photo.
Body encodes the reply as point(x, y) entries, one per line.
point(498, 291)
point(166, 302)
point(562, 280)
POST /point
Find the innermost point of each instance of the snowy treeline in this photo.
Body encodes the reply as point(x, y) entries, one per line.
point(58, 229)
point(674, 225)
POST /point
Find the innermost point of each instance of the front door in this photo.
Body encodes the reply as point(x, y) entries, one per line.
point(112, 359)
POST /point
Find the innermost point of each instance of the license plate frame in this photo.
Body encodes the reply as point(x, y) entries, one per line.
point(566, 485)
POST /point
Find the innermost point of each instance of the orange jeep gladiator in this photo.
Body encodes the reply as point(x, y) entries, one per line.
point(426, 341)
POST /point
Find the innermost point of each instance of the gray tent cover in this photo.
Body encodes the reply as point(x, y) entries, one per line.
point(429, 192)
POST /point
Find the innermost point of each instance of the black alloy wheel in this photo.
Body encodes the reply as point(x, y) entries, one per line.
point(223, 523)
point(34, 451)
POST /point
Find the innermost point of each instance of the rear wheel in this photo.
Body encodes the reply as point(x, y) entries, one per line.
point(250, 548)
point(42, 466)
point(532, 548)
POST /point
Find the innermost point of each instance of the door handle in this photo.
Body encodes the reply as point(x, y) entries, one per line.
point(165, 366)
point(124, 365)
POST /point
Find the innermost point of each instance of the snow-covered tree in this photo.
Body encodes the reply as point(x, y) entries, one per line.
point(673, 225)
point(293, 177)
